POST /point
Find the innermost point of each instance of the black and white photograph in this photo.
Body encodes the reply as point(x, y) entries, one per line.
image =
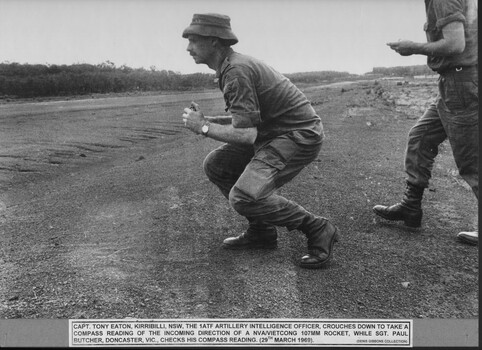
point(299, 167)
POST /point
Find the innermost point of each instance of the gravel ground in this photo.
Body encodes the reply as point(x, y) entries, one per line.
point(105, 213)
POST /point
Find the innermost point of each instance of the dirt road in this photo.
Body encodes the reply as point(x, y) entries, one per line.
point(105, 213)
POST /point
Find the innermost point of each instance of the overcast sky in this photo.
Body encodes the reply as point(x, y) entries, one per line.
point(290, 35)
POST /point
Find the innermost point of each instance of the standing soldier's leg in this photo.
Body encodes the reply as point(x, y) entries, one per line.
point(459, 112)
point(423, 141)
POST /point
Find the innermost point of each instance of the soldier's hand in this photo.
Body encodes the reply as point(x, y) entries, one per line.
point(193, 118)
point(194, 106)
point(403, 47)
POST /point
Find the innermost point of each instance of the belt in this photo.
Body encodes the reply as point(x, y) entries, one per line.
point(459, 69)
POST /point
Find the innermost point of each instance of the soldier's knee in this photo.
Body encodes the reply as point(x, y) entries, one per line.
point(208, 165)
point(414, 135)
point(240, 201)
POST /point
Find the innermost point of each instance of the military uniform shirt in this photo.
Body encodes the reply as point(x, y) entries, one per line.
point(258, 96)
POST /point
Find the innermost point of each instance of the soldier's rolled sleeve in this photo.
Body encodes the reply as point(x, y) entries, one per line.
point(245, 120)
point(448, 11)
point(242, 102)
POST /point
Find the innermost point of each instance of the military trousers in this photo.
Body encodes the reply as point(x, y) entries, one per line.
point(249, 177)
point(453, 116)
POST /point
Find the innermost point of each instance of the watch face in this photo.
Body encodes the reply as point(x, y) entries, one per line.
point(205, 129)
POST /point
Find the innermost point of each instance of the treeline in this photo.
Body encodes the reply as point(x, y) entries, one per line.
point(404, 71)
point(25, 80)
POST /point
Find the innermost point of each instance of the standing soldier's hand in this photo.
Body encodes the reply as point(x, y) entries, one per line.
point(403, 47)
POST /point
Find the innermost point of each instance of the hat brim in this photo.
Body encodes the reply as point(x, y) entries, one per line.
point(203, 30)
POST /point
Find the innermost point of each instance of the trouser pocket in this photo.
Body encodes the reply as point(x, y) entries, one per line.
point(259, 178)
point(459, 96)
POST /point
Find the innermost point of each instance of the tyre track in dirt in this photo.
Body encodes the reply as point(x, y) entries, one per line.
point(100, 234)
point(28, 147)
point(44, 152)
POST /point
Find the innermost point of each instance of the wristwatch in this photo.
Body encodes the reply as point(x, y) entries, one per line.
point(205, 129)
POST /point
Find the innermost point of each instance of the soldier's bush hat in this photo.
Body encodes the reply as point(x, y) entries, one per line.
point(211, 24)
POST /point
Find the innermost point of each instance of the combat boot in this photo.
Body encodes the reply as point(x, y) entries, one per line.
point(409, 210)
point(469, 237)
point(321, 235)
point(257, 236)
